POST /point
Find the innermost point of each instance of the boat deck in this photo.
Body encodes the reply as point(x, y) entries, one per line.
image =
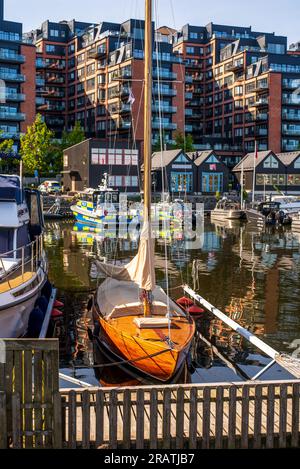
point(15, 282)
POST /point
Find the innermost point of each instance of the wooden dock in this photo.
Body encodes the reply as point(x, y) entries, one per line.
point(34, 413)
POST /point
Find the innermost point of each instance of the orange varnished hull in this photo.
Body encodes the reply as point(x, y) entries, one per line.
point(161, 362)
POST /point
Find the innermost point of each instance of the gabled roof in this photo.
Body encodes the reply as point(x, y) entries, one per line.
point(248, 160)
point(202, 156)
point(163, 159)
point(288, 157)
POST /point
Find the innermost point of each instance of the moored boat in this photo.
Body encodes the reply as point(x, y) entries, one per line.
point(228, 210)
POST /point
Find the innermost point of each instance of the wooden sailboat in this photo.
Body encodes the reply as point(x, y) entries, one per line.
point(138, 322)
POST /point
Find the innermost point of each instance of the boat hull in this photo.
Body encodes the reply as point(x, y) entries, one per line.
point(160, 363)
point(220, 214)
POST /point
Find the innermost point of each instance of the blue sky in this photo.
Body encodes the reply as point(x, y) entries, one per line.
point(277, 16)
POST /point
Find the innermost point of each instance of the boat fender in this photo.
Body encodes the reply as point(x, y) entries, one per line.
point(42, 303)
point(185, 302)
point(35, 323)
point(56, 313)
point(47, 290)
point(195, 310)
point(58, 304)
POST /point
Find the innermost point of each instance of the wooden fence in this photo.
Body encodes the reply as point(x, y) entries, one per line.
point(242, 415)
point(35, 414)
point(30, 403)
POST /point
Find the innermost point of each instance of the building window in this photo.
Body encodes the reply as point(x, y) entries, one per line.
point(66, 161)
point(271, 162)
point(270, 179)
point(193, 35)
point(54, 32)
point(181, 182)
point(190, 50)
point(293, 180)
point(50, 48)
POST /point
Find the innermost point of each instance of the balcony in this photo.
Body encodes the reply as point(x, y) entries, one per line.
point(55, 79)
point(188, 128)
point(291, 84)
point(11, 57)
point(261, 87)
point(97, 53)
point(125, 125)
point(164, 125)
point(188, 79)
point(40, 63)
point(165, 108)
point(12, 116)
point(290, 147)
point(292, 101)
point(164, 91)
point(40, 82)
point(261, 132)
point(290, 116)
point(261, 103)
point(293, 132)
point(164, 74)
point(10, 135)
point(188, 95)
point(235, 67)
point(7, 76)
point(261, 117)
point(15, 97)
point(125, 109)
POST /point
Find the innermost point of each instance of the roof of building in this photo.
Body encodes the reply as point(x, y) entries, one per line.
point(288, 157)
point(163, 159)
point(201, 156)
point(166, 30)
point(248, 161)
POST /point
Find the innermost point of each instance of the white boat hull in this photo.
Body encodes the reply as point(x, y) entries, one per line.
point(220, 214)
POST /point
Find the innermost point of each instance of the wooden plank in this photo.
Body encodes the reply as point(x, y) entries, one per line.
point(48, 397)
point(180, 418)
point(3, 422)
point(99, 418)
point(232, 418)
point(258, 417)
point(245, 417)
point(31, 344)
point(127, 419)
point(219, 417)
point(37, 398)
point(113, 420)
point(86, 426)
point(28, 371)
point(167, 418)
point(206, 418)
point(16, 422)
point(153, 419)
point(72, 420)
point(193, 419)
point(295, 416)
point(57, 417)
point(283, 416)
point(270, 417)
point(140, 431)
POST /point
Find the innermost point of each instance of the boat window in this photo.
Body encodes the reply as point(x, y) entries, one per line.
point(23, 239)
point(6, 241)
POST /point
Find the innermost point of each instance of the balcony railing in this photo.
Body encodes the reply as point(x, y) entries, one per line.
point(7, 76)
point(164, 125)
point(12, 116)
point(165, 108)
point(290, 117)
point(40, 81)
point(293, 132)
point(16, 97)
point(164, 74)
point(164, 91)
point(293, 101)
point(11, 57)
point(10, 135)
point(261, 117)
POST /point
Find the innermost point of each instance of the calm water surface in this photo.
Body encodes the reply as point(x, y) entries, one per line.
point(253, 276)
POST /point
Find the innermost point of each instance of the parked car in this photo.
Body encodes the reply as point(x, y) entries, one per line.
point(50, 187)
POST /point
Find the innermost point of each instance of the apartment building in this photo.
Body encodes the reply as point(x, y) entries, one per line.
point(94, 74)
point(17, 81)
point(241, 87)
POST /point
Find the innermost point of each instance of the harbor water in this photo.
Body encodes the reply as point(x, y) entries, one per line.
point(252, 275)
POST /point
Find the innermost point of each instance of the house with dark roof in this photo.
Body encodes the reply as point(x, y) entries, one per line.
point(174, 172)
point(212, 175)
point(272, 171)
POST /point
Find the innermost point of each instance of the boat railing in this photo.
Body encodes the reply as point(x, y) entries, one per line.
point(27, 261)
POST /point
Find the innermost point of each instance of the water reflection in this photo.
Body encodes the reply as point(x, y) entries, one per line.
point(251, 274)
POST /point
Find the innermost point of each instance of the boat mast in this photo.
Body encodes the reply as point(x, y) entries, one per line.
point(148, 132)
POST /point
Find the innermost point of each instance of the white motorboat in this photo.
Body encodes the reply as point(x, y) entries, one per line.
point(23, 266)
point(227, 210)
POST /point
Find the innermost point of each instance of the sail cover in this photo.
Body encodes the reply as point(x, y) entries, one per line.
point(141, 269)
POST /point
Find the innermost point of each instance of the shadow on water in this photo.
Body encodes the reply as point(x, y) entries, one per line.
point(252, 275)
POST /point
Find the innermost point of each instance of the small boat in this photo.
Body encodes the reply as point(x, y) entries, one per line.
point(137, 321)
point(227, 210)
point(23, 265)
point(268, 213)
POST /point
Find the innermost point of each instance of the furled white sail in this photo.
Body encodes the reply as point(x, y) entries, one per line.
point(141, 269)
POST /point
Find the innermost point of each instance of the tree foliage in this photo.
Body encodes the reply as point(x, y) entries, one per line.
point(72, 138)
point(184, 142)
point(8, 162)
point(36, 146)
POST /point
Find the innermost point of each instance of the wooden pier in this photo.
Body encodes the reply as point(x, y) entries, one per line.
point(34, 413)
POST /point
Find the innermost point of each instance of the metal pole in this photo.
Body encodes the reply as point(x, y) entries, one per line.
point(254, 175)
point(235, 326)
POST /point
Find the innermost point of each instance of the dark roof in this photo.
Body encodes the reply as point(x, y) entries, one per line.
point(248, 161)
point(163, 159)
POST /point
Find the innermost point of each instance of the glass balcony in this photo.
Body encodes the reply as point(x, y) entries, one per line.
point(12, 116)
point(16, 97)
point(165, 108)
point(294, 132)
point(10, 135)
point(262, 117)
point(164, 91)
point(292, 100)
point(9, 36)
point(8, 56)
point(188, 128)
point(188, 79)
point(40, 63)
point(9, 76)
point(294, 147)
point(40, 81)
point(164, 74)
point(290, 116)
point(164, 125)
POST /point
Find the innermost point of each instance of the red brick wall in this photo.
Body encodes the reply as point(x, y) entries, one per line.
point(28, 88)
point(275, 102)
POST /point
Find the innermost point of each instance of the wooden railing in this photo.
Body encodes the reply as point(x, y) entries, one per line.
point(242, 415)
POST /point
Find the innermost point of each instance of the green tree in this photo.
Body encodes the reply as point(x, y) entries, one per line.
point(184, 142)
point(7, 161)
point(74, 137)
point(36, 145)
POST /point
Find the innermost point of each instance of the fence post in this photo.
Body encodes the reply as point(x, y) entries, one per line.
point(3, 421)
